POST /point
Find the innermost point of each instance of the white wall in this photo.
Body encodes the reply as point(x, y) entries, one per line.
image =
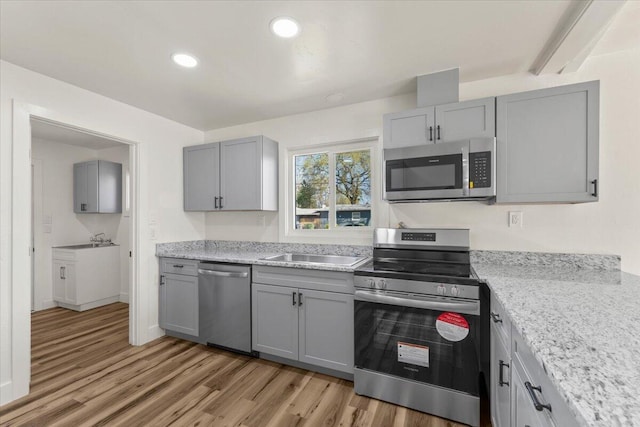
point(67, 227)
point(122, 233)
point(160, 141)
point(609, 226)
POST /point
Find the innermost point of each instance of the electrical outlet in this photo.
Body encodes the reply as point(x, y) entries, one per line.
point(515, 219)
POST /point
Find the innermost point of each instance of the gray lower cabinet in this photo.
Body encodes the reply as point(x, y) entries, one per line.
point(298, 323)
point(179, 296)
point(547, 145)
point(274, 320)
point(234, 175)
point(97, 187)
point(500, 381)
point(524, 412)
point(326, 329)
point(441, 123)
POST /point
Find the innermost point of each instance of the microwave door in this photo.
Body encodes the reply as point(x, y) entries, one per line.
point(425, 177)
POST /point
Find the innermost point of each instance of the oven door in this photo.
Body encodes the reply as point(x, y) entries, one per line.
point(437, 171)
point(427, 339)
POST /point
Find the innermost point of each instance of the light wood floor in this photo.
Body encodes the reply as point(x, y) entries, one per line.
point(84, 372)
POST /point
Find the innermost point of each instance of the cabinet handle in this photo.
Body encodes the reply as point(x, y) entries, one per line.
point(62, 273)
point(438, 128)
point(294, 298)
point(161, 280)
point(300, 299)
point(495, 317)
point(83, 207)
point(532, 394)
point(595, 188)
point(215, 202)
point(501, 380)
point(430, 133)
point(178, 266)
point(220, 202)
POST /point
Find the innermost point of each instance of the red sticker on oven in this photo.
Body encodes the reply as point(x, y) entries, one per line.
point(452, 327)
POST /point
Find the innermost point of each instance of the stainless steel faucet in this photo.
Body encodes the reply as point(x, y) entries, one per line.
point(96, 239)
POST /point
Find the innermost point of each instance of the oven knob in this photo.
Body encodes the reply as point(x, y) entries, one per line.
point(371, 283)
point(455, 291)
point(383, 284)
point(441, 289)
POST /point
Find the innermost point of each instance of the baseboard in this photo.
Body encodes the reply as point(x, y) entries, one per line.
point(124, 297)
point(6, 392)
point(48, 304)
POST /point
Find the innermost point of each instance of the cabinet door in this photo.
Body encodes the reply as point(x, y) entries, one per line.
point(468, 119)
point(500, 381)
point(409, 128)
point(92, 201)
point(326, 329)
point(180, 305)
point(109, 187)
point(201, 176)
point(59, 285)
point(547, 145)
point(523, 412)
point(274, 328)
point(241, 174)
point(80, 187)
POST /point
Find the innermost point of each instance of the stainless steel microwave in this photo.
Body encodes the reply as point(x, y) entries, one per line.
point(457, 170)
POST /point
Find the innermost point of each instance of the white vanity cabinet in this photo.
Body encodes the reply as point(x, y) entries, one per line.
point(86, 278)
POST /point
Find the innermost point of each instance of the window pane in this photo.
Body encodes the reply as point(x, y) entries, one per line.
point(353, 189)
point(312, 191)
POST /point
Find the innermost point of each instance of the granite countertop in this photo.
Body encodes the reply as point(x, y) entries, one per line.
point(583, 325)
point(254, 252)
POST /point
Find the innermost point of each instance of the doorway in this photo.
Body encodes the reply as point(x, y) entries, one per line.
point(56, 153)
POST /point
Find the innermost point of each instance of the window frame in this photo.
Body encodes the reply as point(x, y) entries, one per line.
point(370, 144)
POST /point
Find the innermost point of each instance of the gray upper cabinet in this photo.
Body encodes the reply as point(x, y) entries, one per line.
point(468, 119)
point(408, 128)
point(240, 174)
point(97, 187)
point(441, 123)
point(547, 145)
point(201, 177)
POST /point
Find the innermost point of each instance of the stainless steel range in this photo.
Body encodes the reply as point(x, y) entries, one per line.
point(417, 323)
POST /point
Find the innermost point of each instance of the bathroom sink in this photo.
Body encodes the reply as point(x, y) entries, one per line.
point(87, 246)
point(316, 259)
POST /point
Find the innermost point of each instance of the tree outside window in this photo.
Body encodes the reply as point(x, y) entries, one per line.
point(349, 205)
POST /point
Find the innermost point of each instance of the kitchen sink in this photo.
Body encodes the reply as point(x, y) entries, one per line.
point(316, 259)
point(86, 246)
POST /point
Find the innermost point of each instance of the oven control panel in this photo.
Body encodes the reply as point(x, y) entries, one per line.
point(417, 287)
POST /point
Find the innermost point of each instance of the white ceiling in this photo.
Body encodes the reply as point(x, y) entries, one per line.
point(63, 135)
point(362, 49)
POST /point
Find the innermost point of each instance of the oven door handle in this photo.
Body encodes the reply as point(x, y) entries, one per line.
point(456, 306)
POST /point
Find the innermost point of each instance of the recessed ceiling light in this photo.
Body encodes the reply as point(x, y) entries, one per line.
point(284, 27)
point(184, 60)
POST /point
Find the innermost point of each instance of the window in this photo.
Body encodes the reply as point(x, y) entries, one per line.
point(332, 188)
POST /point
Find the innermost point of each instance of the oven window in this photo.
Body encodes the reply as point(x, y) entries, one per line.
point(425, 173)
point(404, 342)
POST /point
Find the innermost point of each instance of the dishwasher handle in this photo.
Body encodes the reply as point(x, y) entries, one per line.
point(223, 273)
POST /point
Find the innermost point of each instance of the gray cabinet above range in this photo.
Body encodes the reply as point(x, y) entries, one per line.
point(239, 174)
point(97, 187)
point(440, 123)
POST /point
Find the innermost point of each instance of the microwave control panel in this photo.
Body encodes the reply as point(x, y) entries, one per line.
point(480, 169)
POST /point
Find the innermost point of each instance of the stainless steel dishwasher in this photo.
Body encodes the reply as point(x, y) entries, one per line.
point(224, 295)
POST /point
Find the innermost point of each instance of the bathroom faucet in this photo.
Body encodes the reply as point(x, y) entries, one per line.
point(97, 239)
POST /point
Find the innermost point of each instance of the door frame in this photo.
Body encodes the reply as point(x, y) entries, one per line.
point(21, 231)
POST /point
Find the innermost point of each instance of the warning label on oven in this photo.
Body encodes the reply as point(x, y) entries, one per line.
point(452, 327)
point(413, 353)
